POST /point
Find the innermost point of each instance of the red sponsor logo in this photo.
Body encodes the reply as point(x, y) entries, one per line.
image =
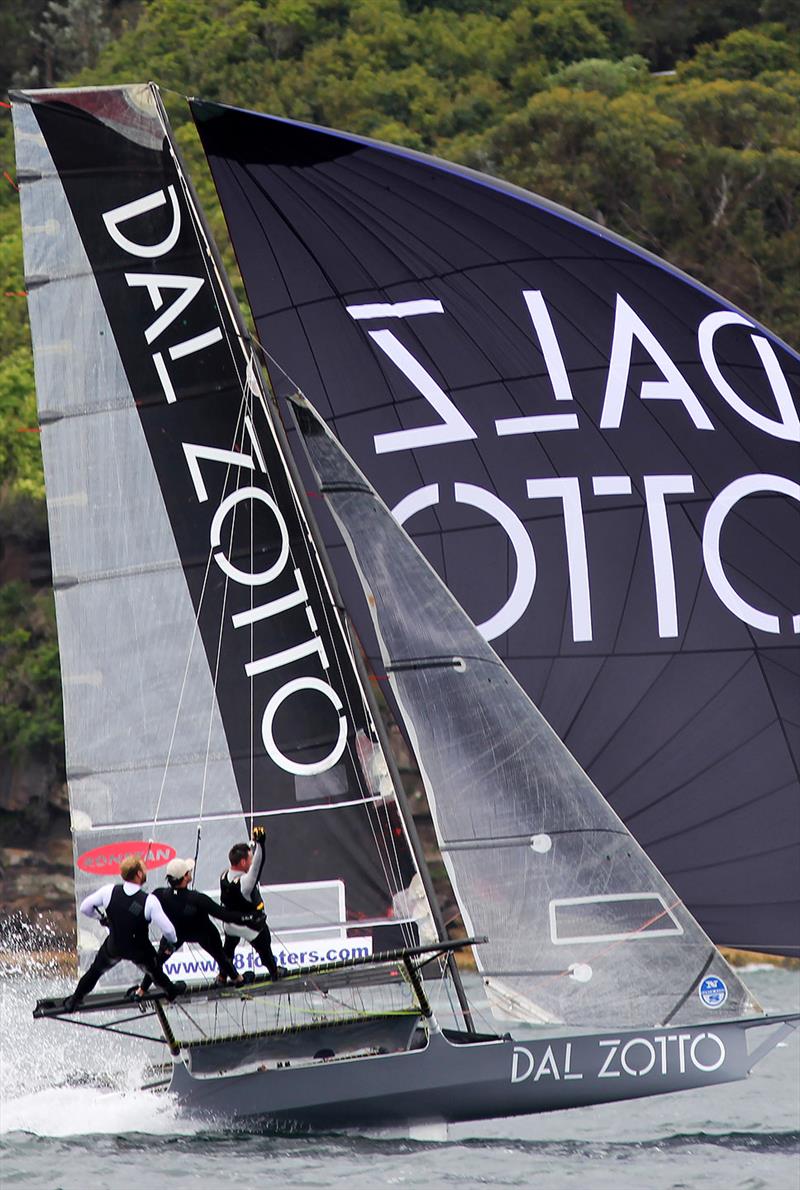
point(105, 861)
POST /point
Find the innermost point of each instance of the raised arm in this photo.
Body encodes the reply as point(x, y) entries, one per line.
point(251, 878)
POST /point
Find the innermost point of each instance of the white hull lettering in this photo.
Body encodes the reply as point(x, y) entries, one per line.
point(612, 1047)
point(662, 1055)
point(716, 1042)
point(521, 1064)
point(568, 1073)
point(629, 1048)
point(547, 1066)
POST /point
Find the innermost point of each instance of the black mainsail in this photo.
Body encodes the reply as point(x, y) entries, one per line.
point(598, 454)
point(208, 679)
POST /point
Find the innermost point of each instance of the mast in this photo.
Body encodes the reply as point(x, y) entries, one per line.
point(270, 406)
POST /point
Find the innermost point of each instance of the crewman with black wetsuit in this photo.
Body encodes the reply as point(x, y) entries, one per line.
point(127, 910)
point(190, 912)
point(238, 887)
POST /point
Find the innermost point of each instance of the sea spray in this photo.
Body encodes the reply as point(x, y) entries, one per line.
point(60, 1080)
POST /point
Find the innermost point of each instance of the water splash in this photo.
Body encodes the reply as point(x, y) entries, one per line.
point(82, 1111)
point(58, 1080)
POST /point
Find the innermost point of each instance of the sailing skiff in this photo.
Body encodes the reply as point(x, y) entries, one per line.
point(212, 678)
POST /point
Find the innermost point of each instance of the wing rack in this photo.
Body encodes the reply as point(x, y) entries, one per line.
point(384, 992)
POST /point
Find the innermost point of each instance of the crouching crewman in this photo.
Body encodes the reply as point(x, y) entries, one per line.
point(128, 911)
point(190, 913)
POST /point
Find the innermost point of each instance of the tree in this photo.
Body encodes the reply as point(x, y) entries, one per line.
point(745, 54)
point(30, 690)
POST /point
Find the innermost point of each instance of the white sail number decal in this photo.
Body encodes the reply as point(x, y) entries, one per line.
point(657, 491)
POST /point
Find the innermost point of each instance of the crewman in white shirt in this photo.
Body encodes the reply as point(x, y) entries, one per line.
point(127, 910)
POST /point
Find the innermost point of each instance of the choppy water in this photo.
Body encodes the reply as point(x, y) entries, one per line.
point(71, 1118)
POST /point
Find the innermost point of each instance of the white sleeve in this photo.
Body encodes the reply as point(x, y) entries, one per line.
point(250, 879)
point(155, 914)
point(97, 900)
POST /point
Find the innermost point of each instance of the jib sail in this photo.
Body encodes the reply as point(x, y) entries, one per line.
point(208, 681)
point(581, 926)
point(597, 454)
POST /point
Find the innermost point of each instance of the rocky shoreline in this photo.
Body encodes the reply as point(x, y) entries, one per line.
point(37, 891)
point(36, 862)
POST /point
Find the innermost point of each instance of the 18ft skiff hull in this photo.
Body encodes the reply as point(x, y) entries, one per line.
point(453, 1078)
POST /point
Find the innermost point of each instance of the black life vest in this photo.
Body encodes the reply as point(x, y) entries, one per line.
point(129, 934)
point(190, 920)
point(232, 897)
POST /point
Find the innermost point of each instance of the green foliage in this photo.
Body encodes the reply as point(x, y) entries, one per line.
point(596, 154)
point(604, 75)
point(30, 691)
point(19, 47)
point(702, 167)
point(20, 454)
point(668, 30)
point(746, 54)
point(72, 33)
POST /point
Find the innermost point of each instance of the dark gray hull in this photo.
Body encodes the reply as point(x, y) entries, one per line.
point(453, 1079)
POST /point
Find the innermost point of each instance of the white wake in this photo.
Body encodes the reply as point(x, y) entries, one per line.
point(62, 1080)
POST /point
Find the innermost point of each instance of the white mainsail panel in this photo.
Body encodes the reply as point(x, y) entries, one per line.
point(208, 681)
point(142, 726)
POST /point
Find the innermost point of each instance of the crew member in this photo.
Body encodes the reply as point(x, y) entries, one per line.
point(238, 887)
point(190, 912)
point(127, 910)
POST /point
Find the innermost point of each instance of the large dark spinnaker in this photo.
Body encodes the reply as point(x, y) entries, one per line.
point(598, 454)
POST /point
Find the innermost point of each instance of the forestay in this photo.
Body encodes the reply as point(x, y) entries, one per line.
point(207, 676)
point(582, 928)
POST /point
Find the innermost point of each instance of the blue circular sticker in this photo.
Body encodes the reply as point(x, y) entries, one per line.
point(713, 991)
